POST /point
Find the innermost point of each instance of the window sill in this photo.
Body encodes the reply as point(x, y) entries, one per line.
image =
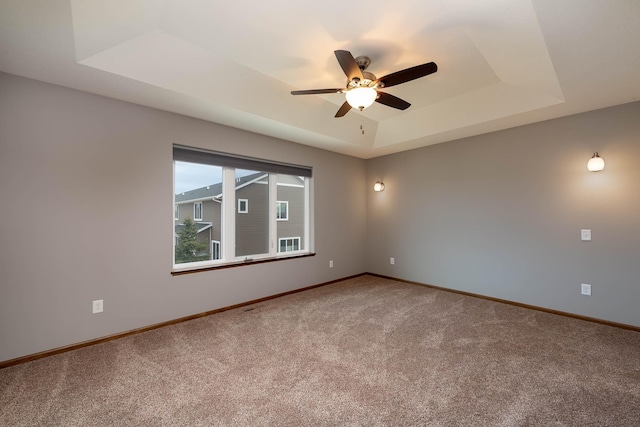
point(239, 264)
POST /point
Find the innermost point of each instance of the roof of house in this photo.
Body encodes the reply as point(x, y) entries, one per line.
point(214, 190)
point(200, 225)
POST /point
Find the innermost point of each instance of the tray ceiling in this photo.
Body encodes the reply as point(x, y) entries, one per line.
point(502, 63)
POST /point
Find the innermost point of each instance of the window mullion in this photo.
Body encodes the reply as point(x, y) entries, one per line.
point(273, 223)
point(228, 214)
point(306, 240)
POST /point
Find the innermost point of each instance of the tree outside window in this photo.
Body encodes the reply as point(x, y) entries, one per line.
point(188, 248)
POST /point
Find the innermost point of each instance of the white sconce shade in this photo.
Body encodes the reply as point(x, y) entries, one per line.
point(361, 97)
point(596, 163)
point(378, 186)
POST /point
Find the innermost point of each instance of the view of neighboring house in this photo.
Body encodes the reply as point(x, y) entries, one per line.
point(204, 206)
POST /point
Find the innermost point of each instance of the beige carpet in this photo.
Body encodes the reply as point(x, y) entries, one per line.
point(365, 351)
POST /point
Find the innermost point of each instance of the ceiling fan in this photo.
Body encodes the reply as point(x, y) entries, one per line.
point(362, 86)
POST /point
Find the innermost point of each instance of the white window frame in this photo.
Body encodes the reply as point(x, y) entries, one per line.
point(246, 205)
point(286, 210)
point(230, 207)
point(293, 239)
point(195, 209)
point(216, 244)
point(176, 211)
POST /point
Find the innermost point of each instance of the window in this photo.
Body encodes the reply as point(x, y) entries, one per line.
point(223, 229)
point(197, 196)
point(243, 206)
point(215, 249)
point(282, 211)
point(288, 244)
point(176, 212)
point(197, 211)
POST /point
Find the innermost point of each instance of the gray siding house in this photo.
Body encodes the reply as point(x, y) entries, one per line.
point(204, 206)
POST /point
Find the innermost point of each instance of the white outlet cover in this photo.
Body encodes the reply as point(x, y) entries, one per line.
point(585, 289)
point(98, 306)
point(585, 235)
point(392, 260)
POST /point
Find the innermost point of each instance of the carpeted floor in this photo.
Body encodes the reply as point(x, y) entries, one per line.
point(366, 351)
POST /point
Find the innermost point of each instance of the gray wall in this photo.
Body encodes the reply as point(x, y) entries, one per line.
point(500, 214)
point(87, 214)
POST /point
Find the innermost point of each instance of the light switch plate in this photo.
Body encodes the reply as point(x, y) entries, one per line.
point(585, 235)
point(585, 289)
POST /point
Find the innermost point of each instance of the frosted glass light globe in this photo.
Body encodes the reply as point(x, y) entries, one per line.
point(361, 97)
point(596, 163)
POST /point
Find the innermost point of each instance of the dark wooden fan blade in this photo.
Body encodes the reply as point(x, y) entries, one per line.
point(408, 74)
point(344, 109)
point(315, 91)
point(392, 101)
point(348, 64)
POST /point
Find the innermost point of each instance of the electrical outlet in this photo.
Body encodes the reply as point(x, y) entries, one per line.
point(331, 263)
point(585, 289)
point(98, 306)
point(392, 260)
point(585, 235)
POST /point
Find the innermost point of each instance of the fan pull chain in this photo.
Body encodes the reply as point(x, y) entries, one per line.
point(362, 125)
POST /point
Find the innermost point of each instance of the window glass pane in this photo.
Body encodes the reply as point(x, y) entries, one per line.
point(291, 211)
point(243, 206)
point(282, 210)
point(198, 202)
point(289, 244)
point(197, 211)
point(215, 250)
point(252, 218)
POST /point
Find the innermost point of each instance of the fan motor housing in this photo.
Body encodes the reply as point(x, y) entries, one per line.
point(368, 78)
point(367, 81)
point(363, 62)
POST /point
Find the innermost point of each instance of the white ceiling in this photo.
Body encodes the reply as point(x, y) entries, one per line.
point(502, 63)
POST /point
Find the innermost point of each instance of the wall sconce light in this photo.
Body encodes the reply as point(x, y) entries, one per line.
point(378, 186)
point(596, 163)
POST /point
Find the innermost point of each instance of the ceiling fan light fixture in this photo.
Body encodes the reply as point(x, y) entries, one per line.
point(361, 97)
point(361, 90)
